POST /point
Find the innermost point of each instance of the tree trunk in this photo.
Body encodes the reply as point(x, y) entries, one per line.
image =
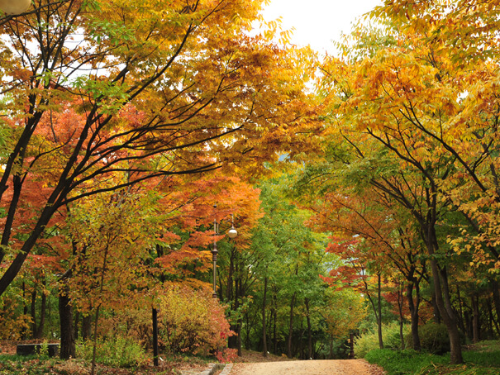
point(240, 324)
point(437, 313)
point(496, 300)
point(275, 309)
point(413, 306)
point(66, 322)
point(24, 333)
point(401, 318)
point(264, 334)
point(330, 342)
point(460, 319)
point(75, 324)
point(379, 315)
point(86, 327)
point(475, 319)
point(247, 338)
point(33, 312)
point(43, 312)
point(309, 333)
point(155, 337)
point(444, 306)
point(290, 330)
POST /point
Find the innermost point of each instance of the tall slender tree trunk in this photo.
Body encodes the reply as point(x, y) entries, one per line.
point(275, 309)
point(264, 334)
point(379, 308)
point(76, 324)
point(240, 324)
point(290, 329)
point(33, 313)
point(496, 300)
point(86, 327)
point(460, 318)
point(413, 307)
point(475, 319)
point(401, 317)
point(247, 338)
point(24, 333)
point(309, 333)
point(155, 336)
point(43, 313)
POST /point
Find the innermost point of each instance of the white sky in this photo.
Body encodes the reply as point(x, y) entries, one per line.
point(318, 22)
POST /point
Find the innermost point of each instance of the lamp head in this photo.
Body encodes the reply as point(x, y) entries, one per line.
point(232, 233)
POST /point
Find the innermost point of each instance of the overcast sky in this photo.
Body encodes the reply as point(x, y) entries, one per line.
point(318, 22)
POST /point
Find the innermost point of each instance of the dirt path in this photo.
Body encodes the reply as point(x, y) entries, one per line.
point(316, 367)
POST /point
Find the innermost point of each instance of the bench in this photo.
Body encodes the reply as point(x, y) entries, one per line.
point(29, 349)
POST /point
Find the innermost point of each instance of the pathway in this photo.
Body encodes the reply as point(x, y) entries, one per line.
point(316, 367)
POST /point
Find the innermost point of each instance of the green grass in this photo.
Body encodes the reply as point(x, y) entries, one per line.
point(480, 359)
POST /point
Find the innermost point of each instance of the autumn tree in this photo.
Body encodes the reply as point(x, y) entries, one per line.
point(146, 90)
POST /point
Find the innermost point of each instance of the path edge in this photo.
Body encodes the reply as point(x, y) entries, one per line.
point(213, 367)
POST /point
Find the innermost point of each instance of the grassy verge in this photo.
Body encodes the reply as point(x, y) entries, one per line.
point(480, 359)
point(42, 365)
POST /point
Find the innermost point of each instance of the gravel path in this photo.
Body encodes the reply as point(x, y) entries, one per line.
point(316, 367)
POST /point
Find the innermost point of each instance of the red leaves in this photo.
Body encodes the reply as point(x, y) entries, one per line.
point(341, 248)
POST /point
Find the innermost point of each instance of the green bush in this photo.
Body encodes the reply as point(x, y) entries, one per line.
point(369, 340)
point(116, 352)
point(433, 338)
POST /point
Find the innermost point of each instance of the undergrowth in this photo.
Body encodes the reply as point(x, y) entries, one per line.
point(481, 359)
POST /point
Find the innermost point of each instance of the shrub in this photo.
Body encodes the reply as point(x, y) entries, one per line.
point(116, 352)
point(433, 338)
point(192, 321)
point(369, 340)
point(12, 323)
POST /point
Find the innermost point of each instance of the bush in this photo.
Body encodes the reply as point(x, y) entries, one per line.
point(369, 340)
point(433, 338)
point(192, 321)
point(115, 352)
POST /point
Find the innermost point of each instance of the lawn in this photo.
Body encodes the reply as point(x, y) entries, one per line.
point(480, 359)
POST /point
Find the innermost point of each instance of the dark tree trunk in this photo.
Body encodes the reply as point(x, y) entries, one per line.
point(86, 327)
point(290, 329)
point(379, 308)
point(444, 305)
point(437, 313)
point(240, 324)
point(43, 312)
point(264, 334)
point(496, 300)
point(247, 338)
point(66, 322)
point(33, 313)
point(155, 336)
point(413, 306)
point(275, 309)
point(233, 340)
point(24, 333)
point(460, 318)
point(330, 342)
point(475, 319)
point(309, 333)
point(401, 317)
point(76, 324)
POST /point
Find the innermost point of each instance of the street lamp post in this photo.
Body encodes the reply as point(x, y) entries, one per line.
point(232, 233)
